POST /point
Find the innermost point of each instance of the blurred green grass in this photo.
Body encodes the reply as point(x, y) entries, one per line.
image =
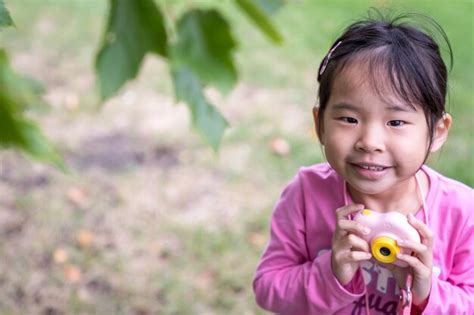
point(208, 269)
point(309, 27)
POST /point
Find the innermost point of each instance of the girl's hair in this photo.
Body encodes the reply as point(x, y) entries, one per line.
point(407, 58)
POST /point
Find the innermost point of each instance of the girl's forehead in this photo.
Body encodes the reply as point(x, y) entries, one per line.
point(355, 78)
point(361, 80)
point(358, 72)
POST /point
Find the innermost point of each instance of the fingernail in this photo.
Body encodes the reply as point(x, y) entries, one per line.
point(400, 242)
point(366, 230)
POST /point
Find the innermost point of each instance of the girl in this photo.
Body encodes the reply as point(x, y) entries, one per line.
point(382, 90)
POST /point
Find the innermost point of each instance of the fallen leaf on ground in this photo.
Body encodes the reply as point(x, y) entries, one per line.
point(60, 256)
point(258, 240)
point(71, 100)
point(77, 196)
point(85, 238)
point(72, 273)
point(280, 146)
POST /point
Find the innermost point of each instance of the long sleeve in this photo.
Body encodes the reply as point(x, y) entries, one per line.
point(294, 275)
point(455, 295)
point(287, 281)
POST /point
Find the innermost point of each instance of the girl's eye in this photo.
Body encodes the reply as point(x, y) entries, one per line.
point(349, 120)
point(396, 123)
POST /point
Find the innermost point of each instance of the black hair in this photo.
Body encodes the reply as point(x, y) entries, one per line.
point(407, 55)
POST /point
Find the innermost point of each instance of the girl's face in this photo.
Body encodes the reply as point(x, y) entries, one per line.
point(375, 143)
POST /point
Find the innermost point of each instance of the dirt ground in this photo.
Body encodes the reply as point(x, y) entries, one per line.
point(149, 220)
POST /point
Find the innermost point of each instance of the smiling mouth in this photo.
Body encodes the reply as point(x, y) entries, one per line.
point(371, 167)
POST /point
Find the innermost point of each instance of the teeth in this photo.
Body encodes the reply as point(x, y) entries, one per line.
point(372, 168)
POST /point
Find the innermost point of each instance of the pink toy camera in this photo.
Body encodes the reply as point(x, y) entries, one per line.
point(385, 230)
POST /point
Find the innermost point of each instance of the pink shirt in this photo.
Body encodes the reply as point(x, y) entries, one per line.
point(294, 275)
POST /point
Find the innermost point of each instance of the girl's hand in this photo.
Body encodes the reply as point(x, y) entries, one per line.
point(420, 263)
point(348, 249)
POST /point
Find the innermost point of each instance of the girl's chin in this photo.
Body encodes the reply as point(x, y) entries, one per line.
point(371, 189)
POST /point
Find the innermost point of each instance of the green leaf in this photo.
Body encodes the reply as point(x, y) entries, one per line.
point(5, 18)
point(205, 45)
point(134, 28)
point(207, 120)
point(24, 90)
point(15, 129)
point(258, 15)
point(10, 132)
point(270, 6)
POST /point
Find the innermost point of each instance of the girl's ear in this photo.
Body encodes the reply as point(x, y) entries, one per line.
point(441, 132)
point(319, 128)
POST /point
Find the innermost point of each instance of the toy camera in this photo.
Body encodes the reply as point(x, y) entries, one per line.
point(385, 230)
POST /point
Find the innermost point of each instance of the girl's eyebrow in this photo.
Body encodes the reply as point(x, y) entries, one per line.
point(401, 108)
point(390, 107)
point(342, 106)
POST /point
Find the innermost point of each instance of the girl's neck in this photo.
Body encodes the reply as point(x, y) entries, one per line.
point(404, 198)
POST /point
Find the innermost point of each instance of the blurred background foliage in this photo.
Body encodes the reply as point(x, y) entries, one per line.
point(197, 39)
point(199, 50)
point(149, 219)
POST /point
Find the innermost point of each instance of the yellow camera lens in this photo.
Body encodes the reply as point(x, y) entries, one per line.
point(385, 249)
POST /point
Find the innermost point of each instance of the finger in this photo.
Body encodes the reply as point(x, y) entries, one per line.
point(339, 234)
point(356, 243)
point(421, 251)
point(353, 227)
point(352, 256)
point(419, 268)
point(343, 212)
point(423, 230)
point(416, 247)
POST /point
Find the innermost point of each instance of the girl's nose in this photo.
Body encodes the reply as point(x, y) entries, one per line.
point(370, 140)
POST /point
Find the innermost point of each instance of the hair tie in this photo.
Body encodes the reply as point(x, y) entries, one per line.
point(328, 56)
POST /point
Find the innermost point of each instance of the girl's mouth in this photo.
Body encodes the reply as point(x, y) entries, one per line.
point(376, 168)
point(370, 171)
